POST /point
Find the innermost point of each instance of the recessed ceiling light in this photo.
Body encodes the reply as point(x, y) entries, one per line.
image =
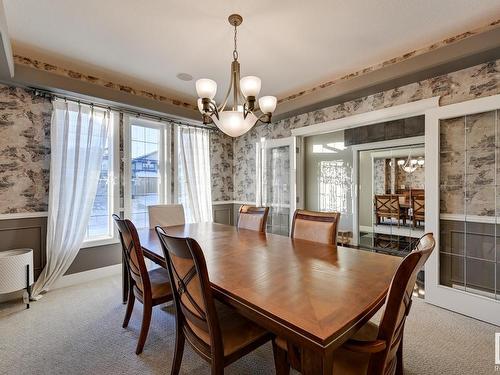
point(185, 77)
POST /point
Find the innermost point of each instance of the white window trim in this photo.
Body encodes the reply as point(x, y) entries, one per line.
point(163, 152)
point(114, 180)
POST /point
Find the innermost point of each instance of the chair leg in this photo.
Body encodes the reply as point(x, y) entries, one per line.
point(146, 320)
point(179, 350)
point(130, 307)
point(281, 363)
point(217, 368)
point(399, 356)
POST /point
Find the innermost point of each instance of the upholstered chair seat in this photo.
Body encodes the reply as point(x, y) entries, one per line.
point(160, 286)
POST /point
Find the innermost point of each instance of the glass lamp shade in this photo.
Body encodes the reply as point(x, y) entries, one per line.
point(206, 88)
point(233, 124)
point(267, 104)
point(250, 86)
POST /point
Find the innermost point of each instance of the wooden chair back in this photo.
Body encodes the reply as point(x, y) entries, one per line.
point(398, 304)
point(254, 218)
point(387, 204)
point(315, 226)
point(166, 215)
point(132, 253)
point(418, 207)
point(194, 303)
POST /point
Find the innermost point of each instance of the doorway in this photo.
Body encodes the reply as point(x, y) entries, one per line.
point(391, 198)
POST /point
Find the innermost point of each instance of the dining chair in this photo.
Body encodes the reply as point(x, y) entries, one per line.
point(388, 206)
point(166, 215)
point(254, 218)
point(151, 288)
point(375, 349)
point(215, 331)
point(315, 226)
point(418, 209)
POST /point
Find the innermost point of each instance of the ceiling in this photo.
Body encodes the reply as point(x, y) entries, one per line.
point(291, 45)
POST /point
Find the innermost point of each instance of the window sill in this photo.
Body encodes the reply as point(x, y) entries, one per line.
point(99, 242)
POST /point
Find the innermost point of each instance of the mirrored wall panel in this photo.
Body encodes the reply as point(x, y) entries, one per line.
point(391, 198)
point(469, 204)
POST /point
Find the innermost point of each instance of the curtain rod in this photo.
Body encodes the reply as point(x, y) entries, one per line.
point(139, 114)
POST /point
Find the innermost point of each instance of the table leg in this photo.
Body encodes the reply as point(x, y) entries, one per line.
point(125, 281)
point(316, 363)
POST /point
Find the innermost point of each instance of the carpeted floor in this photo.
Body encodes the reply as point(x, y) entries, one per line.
point(77, 330)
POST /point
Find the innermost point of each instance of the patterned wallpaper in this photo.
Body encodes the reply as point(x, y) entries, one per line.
point(24, 151)
point(221, 162)
point(25, 123)
point(379, 176)
point(478, 81)
point(25, 154)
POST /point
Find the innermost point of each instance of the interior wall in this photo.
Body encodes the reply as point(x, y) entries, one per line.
point(477, 81)
point(25, 170)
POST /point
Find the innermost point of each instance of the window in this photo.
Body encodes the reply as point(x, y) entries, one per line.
point(146, 156)
point(100, 227)
point(334, 182)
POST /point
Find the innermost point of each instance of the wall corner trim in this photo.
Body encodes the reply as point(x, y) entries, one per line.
point(396, 112)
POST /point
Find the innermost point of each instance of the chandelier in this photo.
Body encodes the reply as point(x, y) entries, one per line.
point(242, 114)
point(410, 165)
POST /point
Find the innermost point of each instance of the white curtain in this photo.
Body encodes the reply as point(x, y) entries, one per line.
point(194, 181)
point(78, 139)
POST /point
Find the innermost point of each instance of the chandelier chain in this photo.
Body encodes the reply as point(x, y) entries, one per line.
point(235, 51)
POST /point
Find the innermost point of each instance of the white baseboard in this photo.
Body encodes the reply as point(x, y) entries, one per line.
point(86, 276)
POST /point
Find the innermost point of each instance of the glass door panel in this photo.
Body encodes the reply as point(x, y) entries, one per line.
point(276, 188)
point(468, 159)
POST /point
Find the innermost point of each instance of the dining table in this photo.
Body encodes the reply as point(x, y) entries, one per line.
point(315, 296)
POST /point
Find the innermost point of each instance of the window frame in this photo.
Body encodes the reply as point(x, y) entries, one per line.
point(113, 182)
point(163, 160)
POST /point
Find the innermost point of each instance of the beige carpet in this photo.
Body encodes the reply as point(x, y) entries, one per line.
point(77, 330)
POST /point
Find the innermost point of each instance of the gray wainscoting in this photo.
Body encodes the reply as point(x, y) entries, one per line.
point(26, 233)
point(32, 233)
point(223, 213)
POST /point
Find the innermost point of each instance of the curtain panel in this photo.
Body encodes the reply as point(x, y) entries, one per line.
point(193, 173)
point(78, 140)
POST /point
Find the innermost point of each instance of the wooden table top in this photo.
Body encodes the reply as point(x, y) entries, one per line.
point(308, 292)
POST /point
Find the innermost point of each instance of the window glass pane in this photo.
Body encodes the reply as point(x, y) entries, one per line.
point(100, 218)
point(145, 172)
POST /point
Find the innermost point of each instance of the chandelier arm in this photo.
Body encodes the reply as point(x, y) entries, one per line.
point(226, 97)
point(235, 67)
